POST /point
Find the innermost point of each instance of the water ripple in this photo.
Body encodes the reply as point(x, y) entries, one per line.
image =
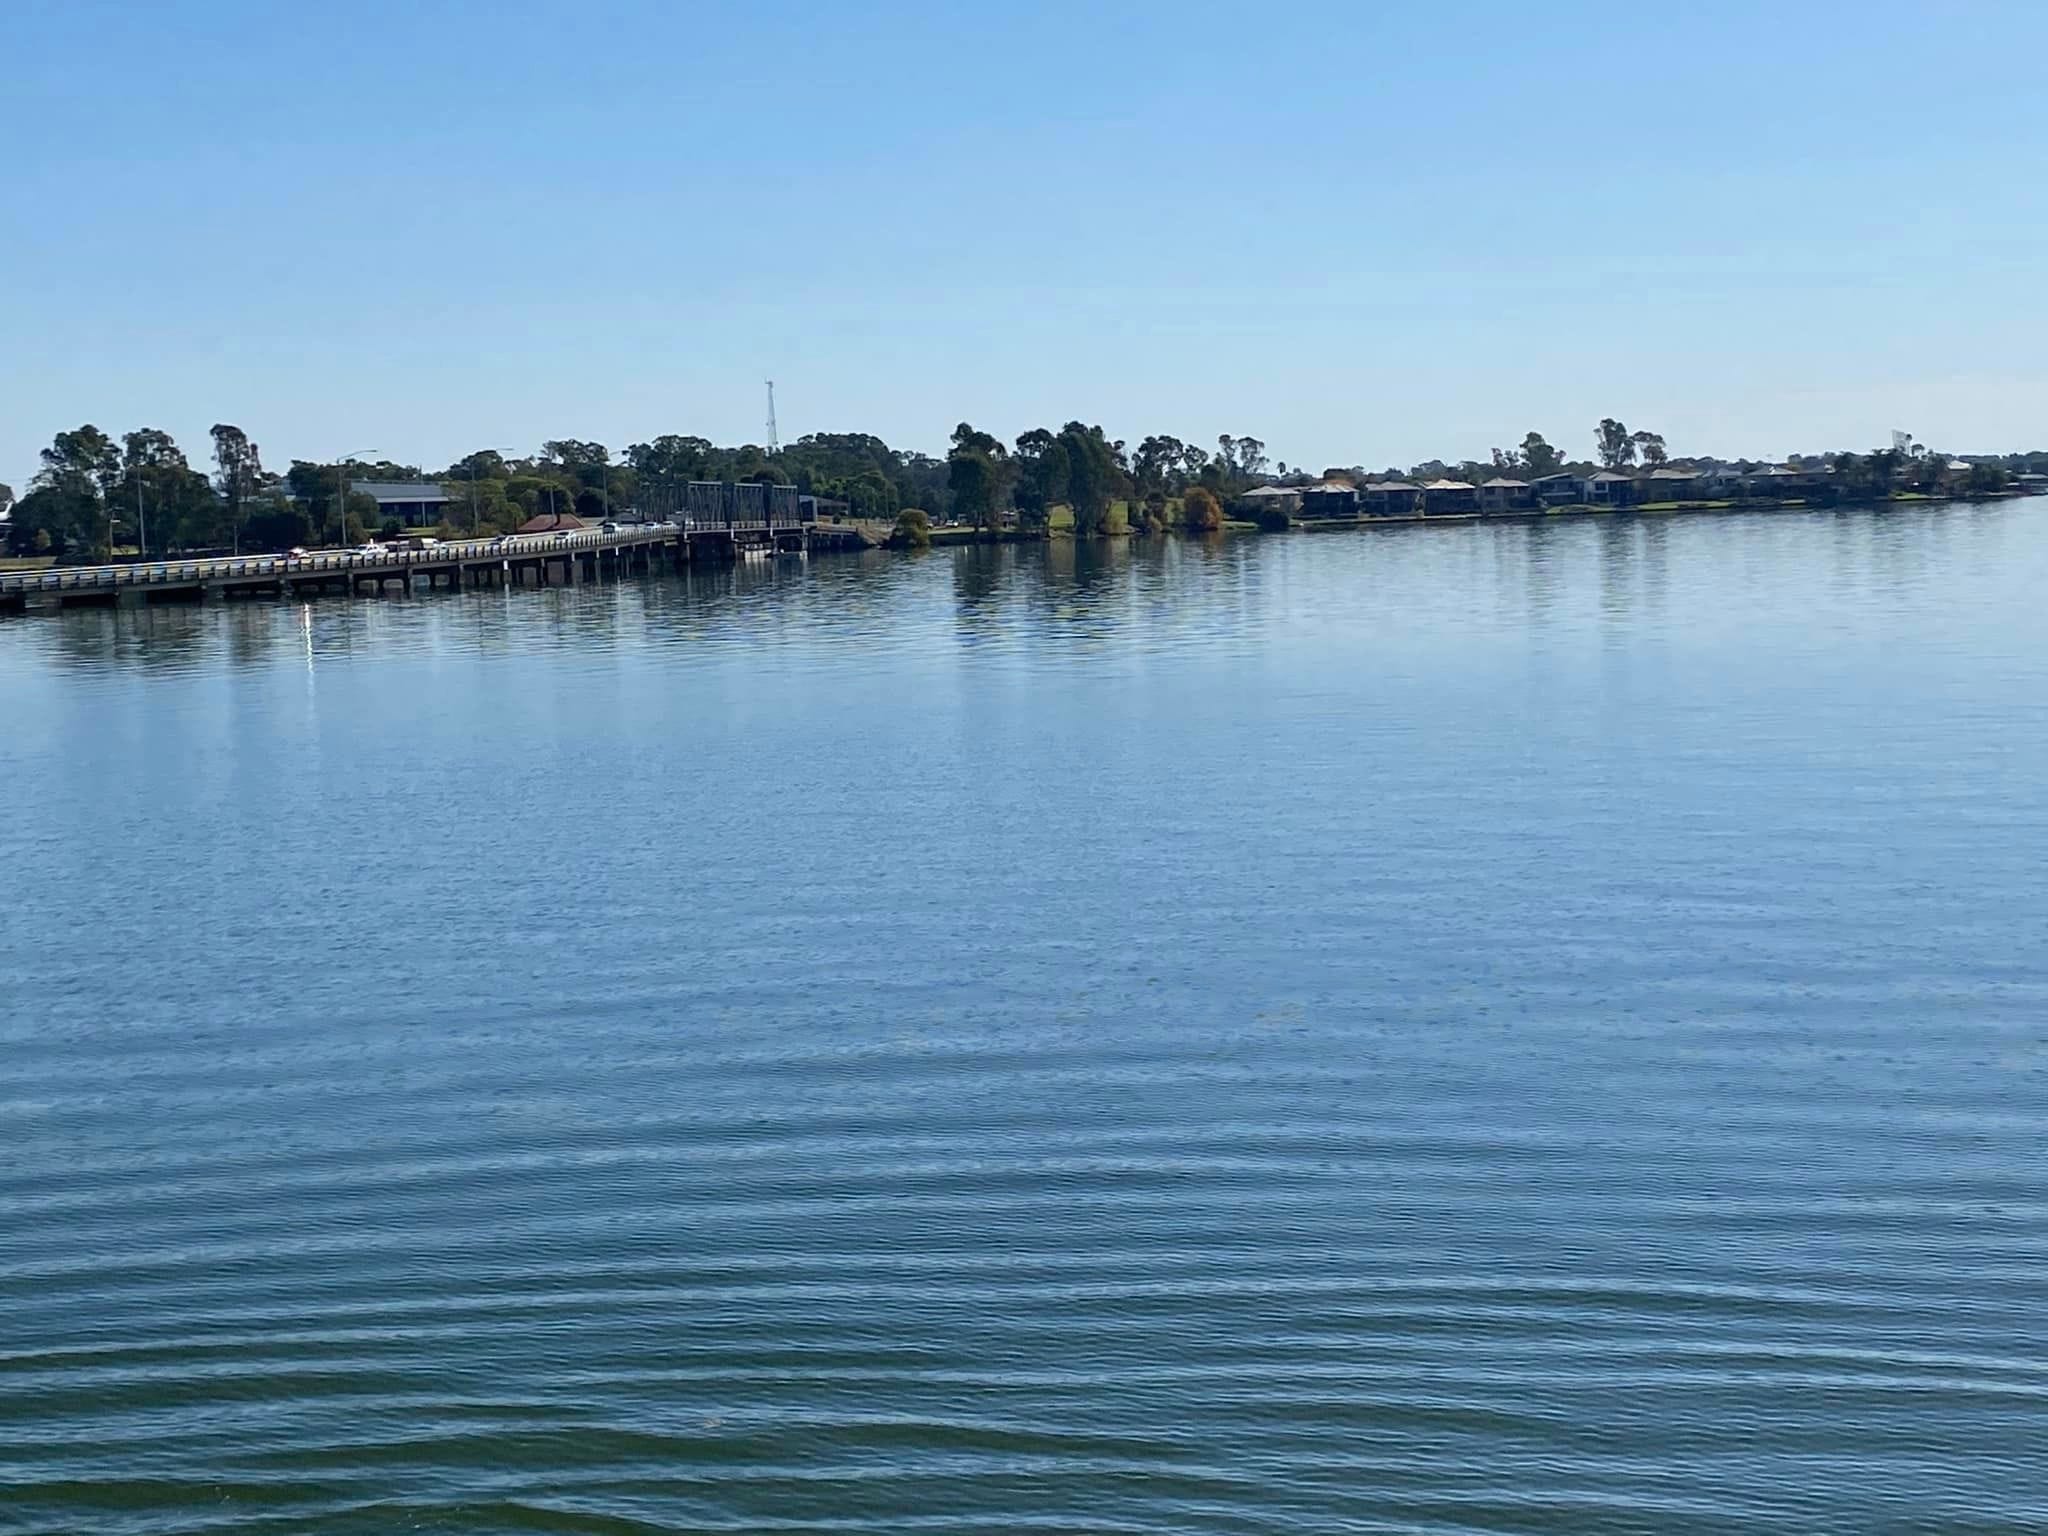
point(1451, 1030)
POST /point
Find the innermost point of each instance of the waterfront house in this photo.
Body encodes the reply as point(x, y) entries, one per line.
point(1563, 489)
point(1785, 482)
point(1332, 498)
point(1285, 498)
point(415, 504)
point(1722, 480)
point(1610, 489)
point(1450, 498)
point(1392, 498)
point(1770, 482)
point(1669, 484)
point(1501, 494)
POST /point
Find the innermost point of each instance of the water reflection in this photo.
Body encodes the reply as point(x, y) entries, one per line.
point(1401, 584)
point(1435, 1029)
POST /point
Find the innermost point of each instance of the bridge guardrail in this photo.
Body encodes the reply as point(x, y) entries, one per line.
point(158, 572)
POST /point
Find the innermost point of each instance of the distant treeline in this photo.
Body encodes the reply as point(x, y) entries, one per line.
point(1905, 466)
point(94, 494)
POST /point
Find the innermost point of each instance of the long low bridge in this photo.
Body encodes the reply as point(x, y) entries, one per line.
point(512, 560)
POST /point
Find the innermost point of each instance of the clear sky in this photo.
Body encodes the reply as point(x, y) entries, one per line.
point(1364, 232)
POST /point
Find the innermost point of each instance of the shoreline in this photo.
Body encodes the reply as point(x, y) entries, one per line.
point(12, 603)
point(953, 536)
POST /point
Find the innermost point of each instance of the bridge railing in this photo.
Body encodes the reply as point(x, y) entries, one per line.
point(88, 578)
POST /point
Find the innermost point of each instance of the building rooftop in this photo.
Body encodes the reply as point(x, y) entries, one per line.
point(1606, 477)
point(1391, 485)
point(1502, 483)
point(556, 522)
point(397, 490)
point(1275, 492)
point(1449, 485)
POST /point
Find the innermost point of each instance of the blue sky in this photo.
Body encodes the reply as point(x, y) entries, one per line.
point(1366, 233)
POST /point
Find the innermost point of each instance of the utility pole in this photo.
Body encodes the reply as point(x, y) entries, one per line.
point(341, 485)
point(774, 440)
point(141, 527)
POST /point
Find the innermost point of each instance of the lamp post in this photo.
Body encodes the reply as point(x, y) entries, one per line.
point(341, 477)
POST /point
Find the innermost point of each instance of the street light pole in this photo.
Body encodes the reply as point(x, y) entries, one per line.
point(141, 527)
point(341, 478)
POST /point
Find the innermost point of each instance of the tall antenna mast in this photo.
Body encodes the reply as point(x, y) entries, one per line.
point(774, 442)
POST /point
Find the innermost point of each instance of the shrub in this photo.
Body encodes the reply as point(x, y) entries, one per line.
point(1200, 511)
point(1269, 517)
point(913, 530)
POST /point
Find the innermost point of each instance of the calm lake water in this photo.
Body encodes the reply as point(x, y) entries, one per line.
point(1520, 1028)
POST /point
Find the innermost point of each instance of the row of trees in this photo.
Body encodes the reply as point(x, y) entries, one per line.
point(1615, 446)
point(1910, 468)
point(1081, 468)
point(94, 495)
